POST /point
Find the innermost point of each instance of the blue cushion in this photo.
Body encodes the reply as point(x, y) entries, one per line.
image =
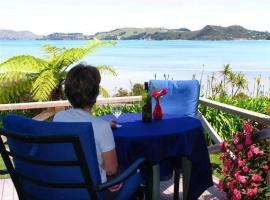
point(181, 98)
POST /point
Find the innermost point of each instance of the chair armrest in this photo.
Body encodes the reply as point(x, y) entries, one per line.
point(3, 172)
point(123, 176)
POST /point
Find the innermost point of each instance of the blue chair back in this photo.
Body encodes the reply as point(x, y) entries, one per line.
point(20, 125)
point(182, 96)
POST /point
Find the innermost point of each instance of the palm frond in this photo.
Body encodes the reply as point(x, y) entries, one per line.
point(103, 92)
point(72, 55)
point(96, 43)
point(23, 63)
point(106, 70)
point(14, 77)
point(44, 85)
point(12, 92)
point(51, 51)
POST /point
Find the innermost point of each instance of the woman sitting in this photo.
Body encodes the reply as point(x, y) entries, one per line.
point(81, 89)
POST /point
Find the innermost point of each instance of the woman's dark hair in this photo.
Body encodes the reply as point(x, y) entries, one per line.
point(82, 86)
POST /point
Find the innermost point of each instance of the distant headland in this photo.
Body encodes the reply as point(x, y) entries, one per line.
point(209, 32)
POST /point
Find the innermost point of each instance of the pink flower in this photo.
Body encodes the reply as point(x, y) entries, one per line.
point(240, 162)
point(223, 146)
point(254, 185)
point(248, 140)
point(221, 157)
point(220, 185)
point(235, 139)
point(265, 167)
point(247, 127)
point(250, 192)
point(231, 185)
point(255, 190)
point(249, 154)
point(236, 173)
point(268, 109)
point(239, 147)
point(241, 179)
point(256, 178)
point(236, 194)
point(256, 150)
point(157, 94)
point(227, 164)
point(163, 91)
point(245, 169)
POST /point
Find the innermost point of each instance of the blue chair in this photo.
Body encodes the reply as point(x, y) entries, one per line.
point(182, 96)
point(57, 160)
point(182, 100)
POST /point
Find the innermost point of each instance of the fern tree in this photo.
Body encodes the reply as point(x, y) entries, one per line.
point(42, 78)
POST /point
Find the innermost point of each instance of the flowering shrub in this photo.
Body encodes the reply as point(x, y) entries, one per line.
point(245, 161)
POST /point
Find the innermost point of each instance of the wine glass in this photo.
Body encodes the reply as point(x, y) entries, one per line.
point(117, 111)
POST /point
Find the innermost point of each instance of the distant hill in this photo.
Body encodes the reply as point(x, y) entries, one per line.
point(65, 36)
point(225, 33)
point(209, 32)
point(18, 35)
point(130, 33)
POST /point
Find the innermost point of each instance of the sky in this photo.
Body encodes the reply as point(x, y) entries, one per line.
point(91, 16)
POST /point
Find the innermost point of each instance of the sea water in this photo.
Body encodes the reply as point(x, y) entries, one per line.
point(139, 60)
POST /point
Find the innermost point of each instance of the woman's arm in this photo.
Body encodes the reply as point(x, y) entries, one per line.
point(111, 167)
point(110, 162)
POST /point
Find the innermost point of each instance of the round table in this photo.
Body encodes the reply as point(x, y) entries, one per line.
point(173, 136)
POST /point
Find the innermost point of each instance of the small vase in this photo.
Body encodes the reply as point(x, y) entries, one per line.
point(157, 114)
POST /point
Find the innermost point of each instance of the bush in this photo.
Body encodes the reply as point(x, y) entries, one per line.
point(245, 166)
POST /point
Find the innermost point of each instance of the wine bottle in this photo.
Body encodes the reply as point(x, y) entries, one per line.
point(147, 105)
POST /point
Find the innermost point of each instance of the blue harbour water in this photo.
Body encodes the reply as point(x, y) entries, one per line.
point(138, 60)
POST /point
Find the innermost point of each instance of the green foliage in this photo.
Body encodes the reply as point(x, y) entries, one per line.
point(136, 90)
point(42, 79)
point(216, 164)
point(227, 124)
point(232, 84)
point(121, 93)
point(108, 109)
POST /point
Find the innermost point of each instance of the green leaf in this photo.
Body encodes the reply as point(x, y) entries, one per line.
point(51, 51)
point(103, 91)
point(106, 70)
point(44, 85)
point(24, 64)
point(68, 57)
point(14, 91)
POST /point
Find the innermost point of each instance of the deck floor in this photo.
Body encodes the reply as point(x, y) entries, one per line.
point(8, 192)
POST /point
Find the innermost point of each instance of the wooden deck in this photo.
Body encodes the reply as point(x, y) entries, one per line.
point(8, 192)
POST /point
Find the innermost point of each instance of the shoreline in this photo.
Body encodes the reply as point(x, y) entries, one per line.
point(126, 80)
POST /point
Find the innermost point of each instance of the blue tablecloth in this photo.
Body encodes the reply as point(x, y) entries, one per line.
point(157, 141)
